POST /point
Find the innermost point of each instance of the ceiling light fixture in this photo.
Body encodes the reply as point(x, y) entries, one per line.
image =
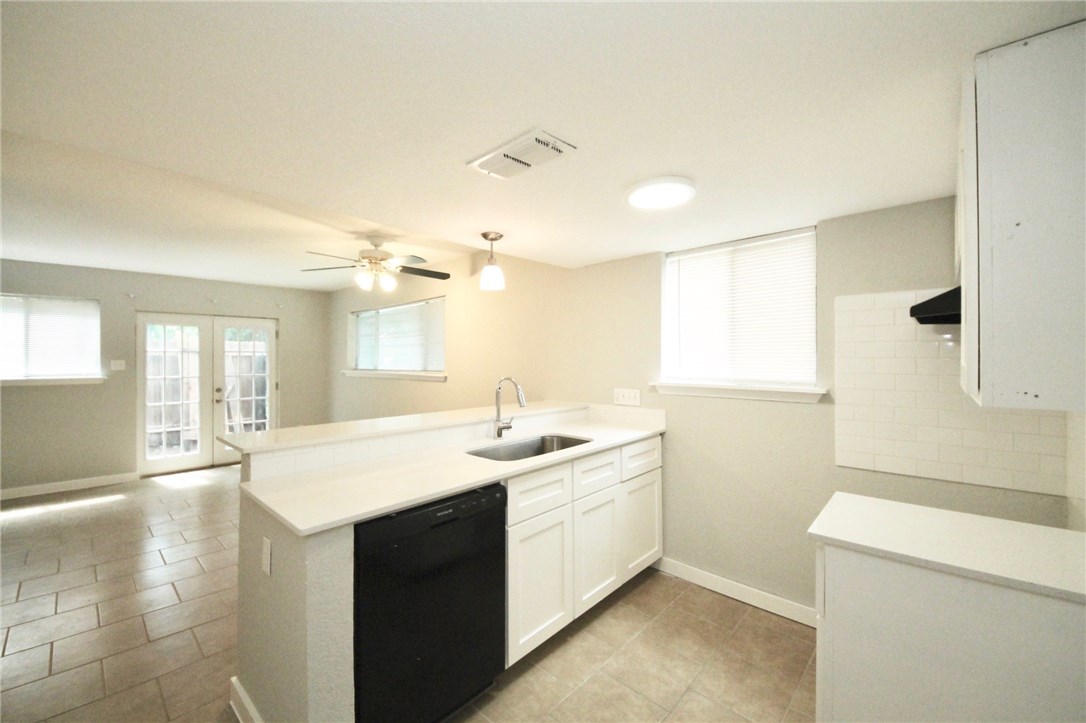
point(364, 279)
point(371, 274)
point(661, 193)
point(492, 278)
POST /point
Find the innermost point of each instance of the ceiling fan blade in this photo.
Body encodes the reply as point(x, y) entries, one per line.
point(403, 260)
point(328, 268)
point(333, 256)
point(424, 272)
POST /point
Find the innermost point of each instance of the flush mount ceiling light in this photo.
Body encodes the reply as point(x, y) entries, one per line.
point(661, 193)
point(492, 278)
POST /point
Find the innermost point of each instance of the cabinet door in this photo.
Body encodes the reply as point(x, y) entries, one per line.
point(537, 492)
point(641, 512)
point(595, 472)
point(640, 457)
point(597, 572)
point(539, 567)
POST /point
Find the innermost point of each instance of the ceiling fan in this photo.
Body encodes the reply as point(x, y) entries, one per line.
point(378, 265)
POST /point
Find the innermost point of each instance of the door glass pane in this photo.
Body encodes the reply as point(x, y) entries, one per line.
point(246, 379)
point(172, 391)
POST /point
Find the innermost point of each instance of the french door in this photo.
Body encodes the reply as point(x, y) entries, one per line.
point(201, 377)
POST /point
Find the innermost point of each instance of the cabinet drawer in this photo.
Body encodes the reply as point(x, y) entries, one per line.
point(640, 457)
point(595, 473)
point(538, 492)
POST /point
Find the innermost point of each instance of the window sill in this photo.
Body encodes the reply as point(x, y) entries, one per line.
point(411, 376)
point(50, 381)
point(801, 395)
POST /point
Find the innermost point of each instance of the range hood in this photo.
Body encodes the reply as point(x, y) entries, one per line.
point(946, 308)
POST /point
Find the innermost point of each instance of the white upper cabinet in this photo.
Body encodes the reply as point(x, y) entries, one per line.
point(1022, 224)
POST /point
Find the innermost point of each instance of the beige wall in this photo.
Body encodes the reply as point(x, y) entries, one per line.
point(1076, 471)
point(61, 433)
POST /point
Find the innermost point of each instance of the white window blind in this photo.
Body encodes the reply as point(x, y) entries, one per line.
point(408, 338)
point(742, 313)
point(49, 337)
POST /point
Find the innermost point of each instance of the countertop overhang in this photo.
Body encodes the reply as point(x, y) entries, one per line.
point(318, 500)
point(1044, 560)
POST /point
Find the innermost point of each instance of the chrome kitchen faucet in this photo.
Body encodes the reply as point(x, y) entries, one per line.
point(501, 425)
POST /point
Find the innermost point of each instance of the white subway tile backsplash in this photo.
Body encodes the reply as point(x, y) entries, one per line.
point(900, 408)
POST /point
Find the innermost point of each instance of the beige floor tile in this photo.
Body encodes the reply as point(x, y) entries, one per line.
point(199, 683)
point(182, 616)
point(653, 591)
point(656, 672)
point(614, 624)
point(55, 583)
point(20, 668)
point(139, 547)
point(176, 525)
point(127, 565)
point(167, 573)
point(217, 635)
point(200, 585)
point(212, 530)
point(230, 599)
point(55, 694)
point(217, 711)
point(78, 597)
point(769, 648)
point(572, 657)
point(17, 573)
point(712, 606)
point(71, 652)
point(755, 693)
point(111, 540)
point(228, 541)
point(792, 716)
point(46, 553)
point(781, 624)
point(602, 698)
point(523, 693)
point(190, 549)
point(696, 708)
point(803, 700)
point(216, 560)
point(142, 703)
point(146, 662)
point(24, 611)
point(154, 598)
point(9, 592)
point(55, 627)
point(686, 634)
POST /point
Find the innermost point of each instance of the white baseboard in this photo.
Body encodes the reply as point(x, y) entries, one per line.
point(743, 593)
point(67, 485)
point(242, 704)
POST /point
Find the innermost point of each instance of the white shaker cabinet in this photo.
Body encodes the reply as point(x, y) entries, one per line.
point(596, 540)
point(1023, 254)
point(640, 503)
point(539, 576)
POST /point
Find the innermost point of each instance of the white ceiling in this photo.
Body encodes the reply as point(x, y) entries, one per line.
point(223, 140)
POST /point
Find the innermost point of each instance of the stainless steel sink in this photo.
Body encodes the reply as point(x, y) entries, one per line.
point(524, 448)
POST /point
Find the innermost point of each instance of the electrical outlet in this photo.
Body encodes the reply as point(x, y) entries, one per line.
point(628, 397)
point(265, 556)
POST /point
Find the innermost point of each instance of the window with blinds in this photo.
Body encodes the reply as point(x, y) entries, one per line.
point(405, 338)
point(742, 313)
point(49, 338)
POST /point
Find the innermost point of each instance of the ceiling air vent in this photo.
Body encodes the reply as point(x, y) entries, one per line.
point(521, 154)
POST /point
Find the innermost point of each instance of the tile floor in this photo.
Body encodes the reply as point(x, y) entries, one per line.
point(119, 605)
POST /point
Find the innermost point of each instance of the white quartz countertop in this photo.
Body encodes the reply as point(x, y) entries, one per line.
point(275, 440)
point(1045, 560)
point(317, 500)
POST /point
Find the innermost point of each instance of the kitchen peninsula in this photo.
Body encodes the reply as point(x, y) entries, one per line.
point(304, 489)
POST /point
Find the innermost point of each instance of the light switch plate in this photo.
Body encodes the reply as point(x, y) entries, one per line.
point(116, 365)
point(628, 397)
point(265, 556)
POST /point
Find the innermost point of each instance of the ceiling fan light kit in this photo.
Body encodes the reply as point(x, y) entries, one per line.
point(657, 194)
point(492, 278)
point(380, 266)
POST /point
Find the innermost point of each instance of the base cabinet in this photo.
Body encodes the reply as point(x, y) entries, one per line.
point(589, 540)
point(539, 574)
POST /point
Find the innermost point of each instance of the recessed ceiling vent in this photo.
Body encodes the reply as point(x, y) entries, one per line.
point(522, 154)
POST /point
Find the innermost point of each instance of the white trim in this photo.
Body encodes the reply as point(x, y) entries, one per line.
point(804, 395)
point(743, 593)
point(50, 381)
point(67, 485)
point(242, 704)
point(385, 374)
point(780, 236)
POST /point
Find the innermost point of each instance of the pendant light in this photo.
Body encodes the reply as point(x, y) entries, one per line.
point(492, 278)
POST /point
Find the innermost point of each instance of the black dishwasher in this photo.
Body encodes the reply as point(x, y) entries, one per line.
point(429, 607)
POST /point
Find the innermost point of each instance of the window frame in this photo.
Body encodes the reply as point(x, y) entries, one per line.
point(763, 390)
point(413, 375)
point(66, 378)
